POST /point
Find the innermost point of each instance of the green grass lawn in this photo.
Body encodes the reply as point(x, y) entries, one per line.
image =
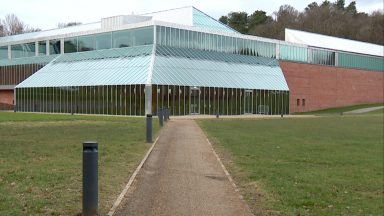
point(339, 110)
point(41, 160)
point(305, 166)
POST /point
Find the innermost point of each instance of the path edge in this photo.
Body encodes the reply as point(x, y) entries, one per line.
point(130, 181)
point(229, 177)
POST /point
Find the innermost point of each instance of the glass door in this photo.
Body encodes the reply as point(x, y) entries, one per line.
point(195, 94)
point(248, 102)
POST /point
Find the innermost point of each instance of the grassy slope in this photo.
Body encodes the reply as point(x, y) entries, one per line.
point(342, 109)
point(311, 166)
point(41, 160)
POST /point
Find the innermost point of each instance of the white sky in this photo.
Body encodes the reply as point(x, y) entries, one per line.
point(46, 14)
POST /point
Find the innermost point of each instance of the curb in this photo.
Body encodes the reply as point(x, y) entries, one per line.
point(131, 179)
point(230, 179)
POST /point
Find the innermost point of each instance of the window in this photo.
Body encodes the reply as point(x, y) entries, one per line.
point(70, 45)
point(42, 48)
point(3, 52)
point(298, 102)
point(54, 47)
point(23, 50)
point(122, 39)
point(103, 41)
point(143, 36)
point(303, 102)
point(86, 43)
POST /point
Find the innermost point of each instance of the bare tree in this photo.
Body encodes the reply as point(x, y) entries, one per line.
point(64, 25)
point(2, 32)
point(12, 25)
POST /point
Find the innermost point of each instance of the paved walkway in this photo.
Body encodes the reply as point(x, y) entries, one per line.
point(182, 177)
point(364, 110)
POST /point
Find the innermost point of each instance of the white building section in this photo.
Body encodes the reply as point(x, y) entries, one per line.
point(329, 42)
point(183, 16)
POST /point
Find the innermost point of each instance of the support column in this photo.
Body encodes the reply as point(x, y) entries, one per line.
point(148, 99)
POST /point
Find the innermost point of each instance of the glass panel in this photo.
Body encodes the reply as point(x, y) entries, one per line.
point(70, 45)
point(103, 41)
point(3, 52)
point(42, 48)
point(122, 39)
point(54, 47)
point(86, 43)
point(195, 92)
point(143, 36)
point(248, 102)
point(23, 50)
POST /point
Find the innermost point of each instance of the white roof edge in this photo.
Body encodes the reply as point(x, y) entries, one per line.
point(10, 40)
point(333, 43)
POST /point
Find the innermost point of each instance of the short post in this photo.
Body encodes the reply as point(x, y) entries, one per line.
point(90, 178)
point(168, 113)
point(165, 111)
point(217, 114)
point(161, 117)
point(149, 128)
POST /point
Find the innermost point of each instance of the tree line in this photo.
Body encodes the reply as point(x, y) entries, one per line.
point(334, 19)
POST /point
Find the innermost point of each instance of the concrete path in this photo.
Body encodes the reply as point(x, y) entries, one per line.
point(182, 177)
point(364, 110)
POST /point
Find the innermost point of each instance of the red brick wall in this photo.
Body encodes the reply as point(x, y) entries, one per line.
point(6, 96)
point(325, 87)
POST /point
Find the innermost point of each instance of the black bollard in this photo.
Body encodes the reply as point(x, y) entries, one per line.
point(168, 113)
point(161, 117)
point(165, 113)
point(149, 128)
point(90, 178)
point(217, 115)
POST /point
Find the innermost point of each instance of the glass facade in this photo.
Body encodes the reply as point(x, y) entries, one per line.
point(86, 43)
point(181, 38)
point(108, 100)
point(322, 57)
point(103, 41)
point(54, 47)
point(23, 50)
point(70, 45)
point(185, 100)
point(360, 61)
point(130, 100)
point(132, 37)
point(293, 53)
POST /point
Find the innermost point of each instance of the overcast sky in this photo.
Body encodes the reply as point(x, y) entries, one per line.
point(46, 14)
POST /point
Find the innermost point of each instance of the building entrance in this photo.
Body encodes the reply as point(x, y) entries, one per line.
point(195, 100)
point(248, 102)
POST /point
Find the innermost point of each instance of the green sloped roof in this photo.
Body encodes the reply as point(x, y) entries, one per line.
point(196, 68)
point(171, 66)
point(103, 67)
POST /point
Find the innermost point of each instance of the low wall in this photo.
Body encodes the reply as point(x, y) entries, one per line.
point(320, 87)
point(6, 99)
